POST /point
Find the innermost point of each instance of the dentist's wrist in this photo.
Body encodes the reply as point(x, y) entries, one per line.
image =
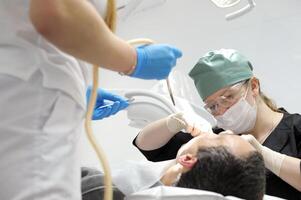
point(273, 160)
point(132, 68)
point(175, 123)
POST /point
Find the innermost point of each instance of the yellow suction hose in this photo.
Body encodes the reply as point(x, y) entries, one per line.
point(111, 23)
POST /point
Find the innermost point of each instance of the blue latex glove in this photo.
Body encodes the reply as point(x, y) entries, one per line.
point(107, 104)
point(155, 61)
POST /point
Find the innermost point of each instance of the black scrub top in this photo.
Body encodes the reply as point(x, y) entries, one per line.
point(286, 139)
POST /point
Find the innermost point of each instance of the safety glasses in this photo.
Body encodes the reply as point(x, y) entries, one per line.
point(230, 97)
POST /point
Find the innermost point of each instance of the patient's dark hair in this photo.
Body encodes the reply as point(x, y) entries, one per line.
point(218, 170)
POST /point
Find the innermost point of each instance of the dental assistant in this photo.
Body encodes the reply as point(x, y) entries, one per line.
point(224, 79)
point(45, 48)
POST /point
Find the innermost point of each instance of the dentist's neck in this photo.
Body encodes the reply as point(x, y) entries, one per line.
point(266, 121)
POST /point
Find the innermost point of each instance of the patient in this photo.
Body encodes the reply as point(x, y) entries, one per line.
point(224, 163)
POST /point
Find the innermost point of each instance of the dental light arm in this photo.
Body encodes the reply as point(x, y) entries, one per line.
point(231, 3)
point(242, 11)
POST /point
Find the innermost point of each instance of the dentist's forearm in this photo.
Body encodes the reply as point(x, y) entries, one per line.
point(75, 27)
point(154, 135)
point(290, 172)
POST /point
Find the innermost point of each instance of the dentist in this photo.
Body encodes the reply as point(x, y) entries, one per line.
point(45, 46)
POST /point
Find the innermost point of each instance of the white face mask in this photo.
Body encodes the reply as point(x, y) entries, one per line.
point(239, 118)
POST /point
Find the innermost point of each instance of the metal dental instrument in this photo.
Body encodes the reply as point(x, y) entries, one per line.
point(170, 92)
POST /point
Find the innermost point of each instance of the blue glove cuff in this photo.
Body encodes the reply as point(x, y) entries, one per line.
point(141, 58)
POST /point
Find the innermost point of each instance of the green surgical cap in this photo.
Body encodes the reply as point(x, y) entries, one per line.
point(219, 69)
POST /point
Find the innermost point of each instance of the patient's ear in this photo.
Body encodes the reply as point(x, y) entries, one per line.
point(187, 161)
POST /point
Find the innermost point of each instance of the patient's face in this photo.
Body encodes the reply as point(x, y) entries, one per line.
point(235, 143)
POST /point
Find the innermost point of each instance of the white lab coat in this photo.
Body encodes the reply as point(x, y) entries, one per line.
point(42, 109)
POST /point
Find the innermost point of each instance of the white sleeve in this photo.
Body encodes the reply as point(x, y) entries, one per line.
point(100, 6)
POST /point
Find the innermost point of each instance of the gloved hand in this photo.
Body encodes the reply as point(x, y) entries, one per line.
point(107, 104)
point(155, 61)
point(192, 123)
point(272, 159)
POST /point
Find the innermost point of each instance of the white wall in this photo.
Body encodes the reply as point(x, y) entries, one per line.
point(268, 36)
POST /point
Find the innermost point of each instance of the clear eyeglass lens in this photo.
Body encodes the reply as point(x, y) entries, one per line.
point(226, 101)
